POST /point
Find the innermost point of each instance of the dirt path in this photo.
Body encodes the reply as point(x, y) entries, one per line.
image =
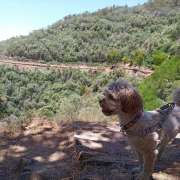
point(46, 150)
point(28, 65)
point(110, 156)
point(42, 150)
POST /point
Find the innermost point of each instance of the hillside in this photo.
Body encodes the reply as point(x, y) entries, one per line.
point(158, 88)
point(73, 94)
point(81, 143)
point(114, 34)
point(53, 93)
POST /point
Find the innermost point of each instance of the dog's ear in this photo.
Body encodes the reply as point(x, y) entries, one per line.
point(131, 101)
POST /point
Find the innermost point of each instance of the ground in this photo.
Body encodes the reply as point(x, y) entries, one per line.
point(111, 157)
point(45, 149)
point(42, 150)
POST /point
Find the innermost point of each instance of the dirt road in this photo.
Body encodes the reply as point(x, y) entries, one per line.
point(29, 65)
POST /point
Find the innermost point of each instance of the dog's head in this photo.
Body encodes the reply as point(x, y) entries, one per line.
point(121, 97)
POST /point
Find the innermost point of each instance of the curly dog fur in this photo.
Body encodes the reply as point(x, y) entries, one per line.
point(122, 99)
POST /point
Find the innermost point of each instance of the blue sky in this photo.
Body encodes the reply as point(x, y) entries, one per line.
point(19, 17)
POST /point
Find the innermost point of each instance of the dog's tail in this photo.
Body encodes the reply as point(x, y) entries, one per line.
point(176, 96)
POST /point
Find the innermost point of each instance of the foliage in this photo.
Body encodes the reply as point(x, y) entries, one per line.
point(113, 56)
point(49, 93)
point(159, 57)
point(158, 88)
point(106, 36)
point(142, 35)
point(74, 94)
point(138, 57)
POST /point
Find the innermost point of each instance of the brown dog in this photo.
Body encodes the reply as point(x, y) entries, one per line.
point(148, 132)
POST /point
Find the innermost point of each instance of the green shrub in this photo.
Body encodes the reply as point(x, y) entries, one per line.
point(158, 88)
point(138, 57)
point(159, 57)
point(113, 56)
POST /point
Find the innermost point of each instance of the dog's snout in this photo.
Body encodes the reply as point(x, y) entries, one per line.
point(101, 99)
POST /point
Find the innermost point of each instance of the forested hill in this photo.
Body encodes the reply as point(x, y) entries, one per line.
point(138, 34)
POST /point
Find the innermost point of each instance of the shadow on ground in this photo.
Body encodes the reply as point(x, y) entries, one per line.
point(46, 150)
point(104, 153)
point(43, 150)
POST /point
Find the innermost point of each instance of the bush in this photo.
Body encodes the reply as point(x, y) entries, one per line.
point(158, 88)
point(159, 57)
point(138, 57)
point(113, 56)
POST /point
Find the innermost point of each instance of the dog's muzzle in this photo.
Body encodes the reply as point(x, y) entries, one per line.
point(105, 110)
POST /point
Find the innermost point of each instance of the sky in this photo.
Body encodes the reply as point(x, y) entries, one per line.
point(20, 17)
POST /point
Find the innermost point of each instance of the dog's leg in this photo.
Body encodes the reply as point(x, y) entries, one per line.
point(148, 166)
point(162, 146)
point(140, 157)
point(140, 167)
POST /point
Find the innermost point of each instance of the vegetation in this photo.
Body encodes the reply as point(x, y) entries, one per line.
point(142, 35)
point(51, 93)
point(158, 88)
point(74, 94)
point(110, 35)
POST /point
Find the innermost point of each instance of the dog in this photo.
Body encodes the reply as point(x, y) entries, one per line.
point(148, 131)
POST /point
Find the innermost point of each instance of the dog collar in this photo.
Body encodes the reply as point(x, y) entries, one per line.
point(131, 123)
